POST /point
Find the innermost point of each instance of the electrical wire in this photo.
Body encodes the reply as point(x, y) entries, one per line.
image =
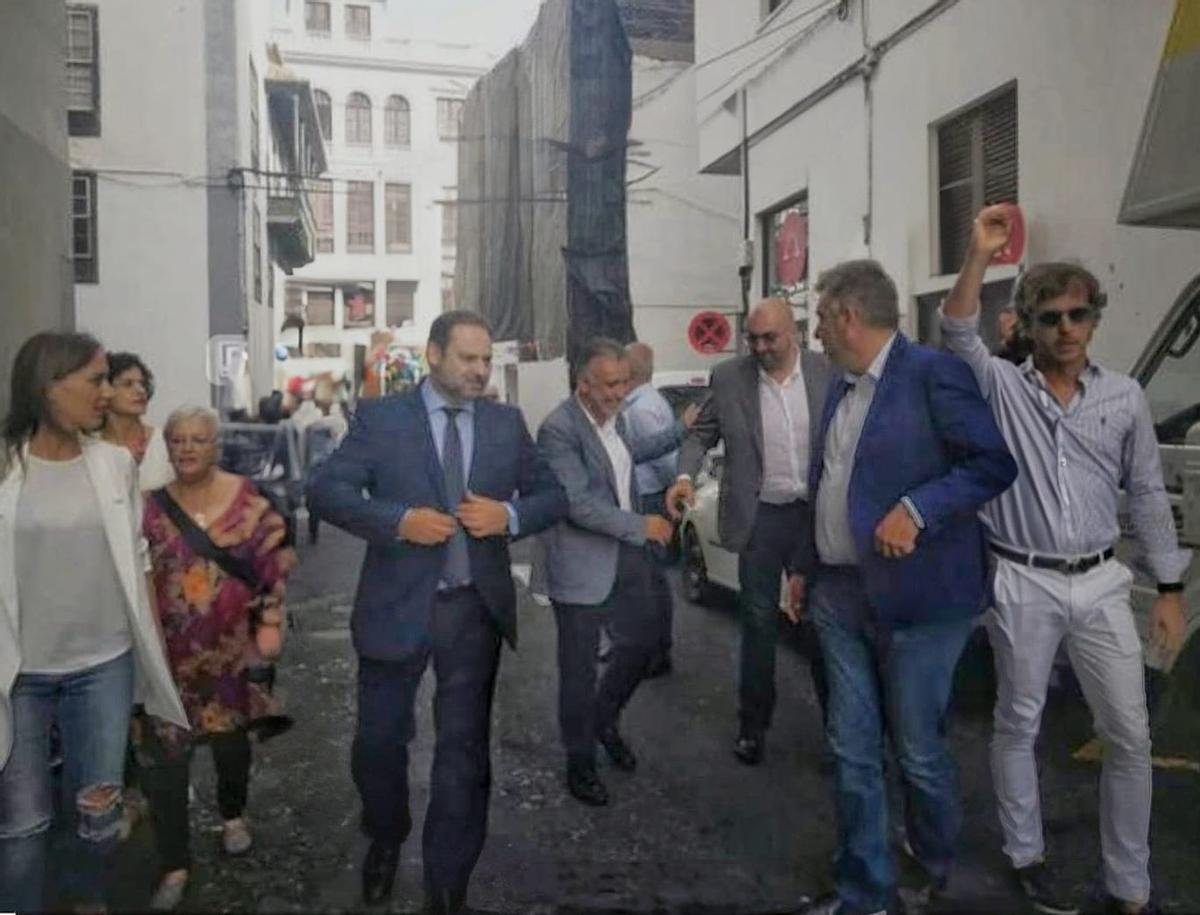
point(779, 26)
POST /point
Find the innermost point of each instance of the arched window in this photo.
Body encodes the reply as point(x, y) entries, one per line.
point(358, 119)
point(324, 114)
point(397, 126)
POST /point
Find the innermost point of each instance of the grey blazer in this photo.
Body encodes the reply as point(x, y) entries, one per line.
point(581, 551)
point(732, 413)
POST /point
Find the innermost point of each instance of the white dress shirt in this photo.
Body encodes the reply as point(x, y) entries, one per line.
point(835, 540)
point(785, 427)
point(618, 456)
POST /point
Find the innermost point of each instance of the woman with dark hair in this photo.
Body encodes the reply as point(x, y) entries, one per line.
point(72, 646)
point(125, 425)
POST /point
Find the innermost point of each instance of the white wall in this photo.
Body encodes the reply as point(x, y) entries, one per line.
point(152, 295)
point(683, 227)
point(388, 64)
point(1084, 71)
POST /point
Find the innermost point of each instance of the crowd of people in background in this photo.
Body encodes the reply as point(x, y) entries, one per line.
point(885, 494)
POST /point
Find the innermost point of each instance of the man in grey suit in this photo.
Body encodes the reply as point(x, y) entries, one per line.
point(763, 406)
point(597, 567)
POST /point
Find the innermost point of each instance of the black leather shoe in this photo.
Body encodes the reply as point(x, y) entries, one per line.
point(830, 904)
point(379, 872)
point(585, 786)
point(617, 749)
point(748, 748)
point(1037, 884)
point(446, 902)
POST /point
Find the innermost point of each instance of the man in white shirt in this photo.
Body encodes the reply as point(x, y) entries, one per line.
point(762, 406)
point(597, 569)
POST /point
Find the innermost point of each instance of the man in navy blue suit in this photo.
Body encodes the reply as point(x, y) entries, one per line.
point(437, 481)
point(907, 452)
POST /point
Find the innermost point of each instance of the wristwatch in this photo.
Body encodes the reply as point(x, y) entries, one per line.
point(1170, 587)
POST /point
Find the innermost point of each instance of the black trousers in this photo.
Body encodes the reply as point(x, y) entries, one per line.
point(165, 784)
point(660, 560)
point(586, 706)
point(465, 649)
point(760, 567)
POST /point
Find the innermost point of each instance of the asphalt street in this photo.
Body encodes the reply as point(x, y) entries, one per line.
point(692, 831)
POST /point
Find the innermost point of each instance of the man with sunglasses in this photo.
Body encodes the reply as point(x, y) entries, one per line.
point(762, 405)
point(1080, 434)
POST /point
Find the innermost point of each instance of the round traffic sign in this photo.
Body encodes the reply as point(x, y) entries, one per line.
point(1012, 252)
point(791, 249)
point(709, 332)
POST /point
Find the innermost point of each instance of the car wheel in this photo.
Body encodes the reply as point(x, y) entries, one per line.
point(696, 586)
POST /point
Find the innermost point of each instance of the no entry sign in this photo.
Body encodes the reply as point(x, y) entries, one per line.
point(709, 332)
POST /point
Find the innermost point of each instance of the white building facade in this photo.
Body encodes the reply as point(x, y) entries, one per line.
point(878, 128)
point(389, 108)
point(175, 228)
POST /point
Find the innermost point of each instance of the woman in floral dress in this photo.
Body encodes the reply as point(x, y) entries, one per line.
point(220, 567)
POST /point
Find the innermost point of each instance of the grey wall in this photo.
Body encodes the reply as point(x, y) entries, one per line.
point(36, 286)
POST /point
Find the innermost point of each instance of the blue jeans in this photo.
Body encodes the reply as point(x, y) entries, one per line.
point(92, 708)
point(902, 678)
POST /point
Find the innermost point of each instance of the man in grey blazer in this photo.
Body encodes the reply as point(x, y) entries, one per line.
point(763, 406)
point(597, 567)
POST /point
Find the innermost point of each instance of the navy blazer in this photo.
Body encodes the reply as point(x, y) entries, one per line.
point(387, 464)
point(928, 435)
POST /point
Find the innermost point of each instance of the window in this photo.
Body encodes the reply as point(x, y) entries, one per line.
point(83, 226)
point(358, 21)
point(324, 114)
point(358, 303)
point(976, 166)
point(449, 302)
point(321, 193)
point(449, 224)
point(358, 119)
point(398, 216)
point(257, 248)
point(254, 126)
point(83, 72)
point(316, 16)
point(397, 128)
point(449, 118)
point(400, 297)
point(993, 299)
point(312, 303)
point(360, 217)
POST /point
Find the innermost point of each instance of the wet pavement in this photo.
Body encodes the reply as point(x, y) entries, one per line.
point(692, 831)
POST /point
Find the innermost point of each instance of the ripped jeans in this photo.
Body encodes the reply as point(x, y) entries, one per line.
point(92, 708)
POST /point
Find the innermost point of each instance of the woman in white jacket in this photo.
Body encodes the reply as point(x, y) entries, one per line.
point(78, 641)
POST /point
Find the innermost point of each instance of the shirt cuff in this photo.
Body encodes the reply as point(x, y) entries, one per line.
point(514, 520)
point(911, 508)
point(969, 324)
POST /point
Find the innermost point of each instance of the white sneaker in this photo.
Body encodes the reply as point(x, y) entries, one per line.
point(237, 839)
point(170, 892)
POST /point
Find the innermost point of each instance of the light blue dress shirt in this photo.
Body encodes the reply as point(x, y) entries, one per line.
point(647, 413)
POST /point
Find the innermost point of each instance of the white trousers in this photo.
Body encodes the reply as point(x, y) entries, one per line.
point(1035, 610)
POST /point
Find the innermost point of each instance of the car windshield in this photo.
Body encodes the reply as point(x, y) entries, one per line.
point(1170, 369)
point(680, 395)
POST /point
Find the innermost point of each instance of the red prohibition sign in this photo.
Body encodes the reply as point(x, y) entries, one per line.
point(709, 332)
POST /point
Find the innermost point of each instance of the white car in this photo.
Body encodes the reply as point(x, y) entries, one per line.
point(705, 562)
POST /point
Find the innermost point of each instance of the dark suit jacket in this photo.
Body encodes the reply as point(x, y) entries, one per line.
point(732, 413)
point(582, 549)
point(929, 435)
point(387, 464)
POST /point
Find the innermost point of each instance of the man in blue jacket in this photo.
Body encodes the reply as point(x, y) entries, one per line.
point(906, 453)
point(437, 481)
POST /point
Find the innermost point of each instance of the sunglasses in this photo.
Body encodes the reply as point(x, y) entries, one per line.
point(1053, 318)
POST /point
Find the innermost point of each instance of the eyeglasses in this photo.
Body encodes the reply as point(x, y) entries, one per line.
point(1053, 317)
point(198, 441)
point(768, 338)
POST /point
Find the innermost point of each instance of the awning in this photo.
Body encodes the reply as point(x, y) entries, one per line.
point(1164, 184)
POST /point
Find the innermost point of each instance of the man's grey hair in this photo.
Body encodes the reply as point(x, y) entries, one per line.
point(596, 348)
point(865, 285)
point(185, 414)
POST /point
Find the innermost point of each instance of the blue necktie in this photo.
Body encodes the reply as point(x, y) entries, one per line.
point(458, 564)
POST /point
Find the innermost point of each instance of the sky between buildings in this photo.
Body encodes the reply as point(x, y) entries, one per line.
point(495, 25)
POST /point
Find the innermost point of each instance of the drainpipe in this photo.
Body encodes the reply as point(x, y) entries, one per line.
point(746, 256)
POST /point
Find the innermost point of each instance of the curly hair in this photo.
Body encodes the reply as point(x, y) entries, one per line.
point(1046, 281)
point(120, 363)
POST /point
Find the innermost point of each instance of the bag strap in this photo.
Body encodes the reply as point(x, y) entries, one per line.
point(201, 544)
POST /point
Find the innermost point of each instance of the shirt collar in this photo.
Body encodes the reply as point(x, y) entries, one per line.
point(636, 393)
point(875, 369)
point(434, 401)
point(792, 376)
point(1090, 372)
